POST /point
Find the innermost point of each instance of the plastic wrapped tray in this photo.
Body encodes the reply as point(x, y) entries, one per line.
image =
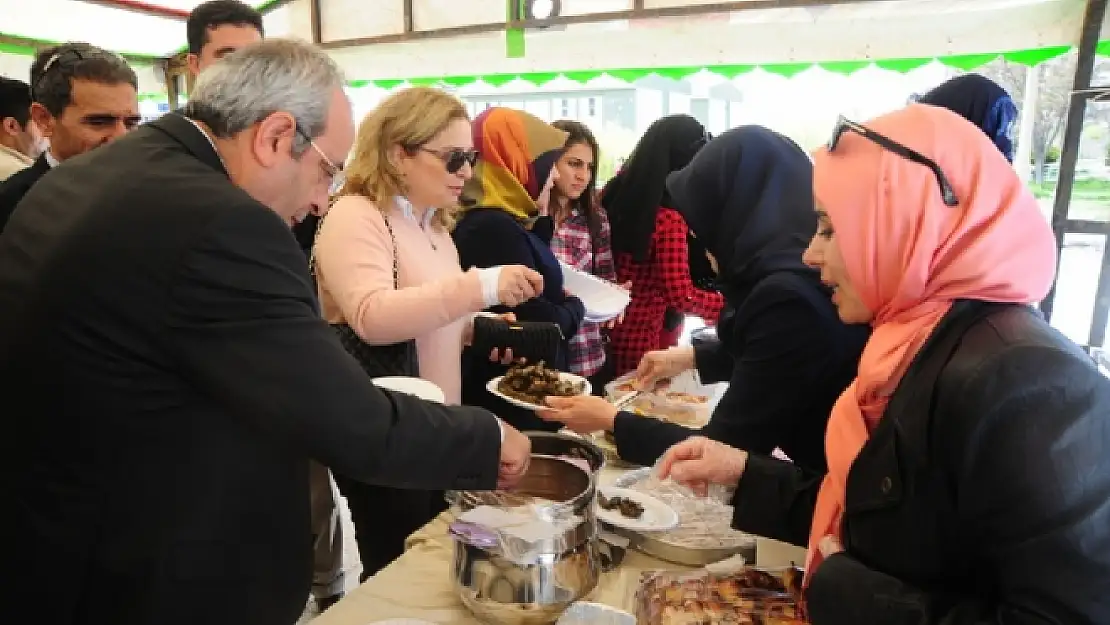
point(704, 534)
point(750, 596)
point(683, 399)
point(587, 613)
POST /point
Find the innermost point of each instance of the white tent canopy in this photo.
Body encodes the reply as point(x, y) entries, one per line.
point(867, 31)
point(861, 31)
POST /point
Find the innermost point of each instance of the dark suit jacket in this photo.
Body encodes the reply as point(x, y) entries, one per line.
point(161, 339)
point(17, 185)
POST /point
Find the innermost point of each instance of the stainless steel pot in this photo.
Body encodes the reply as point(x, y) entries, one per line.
point(556, 444)
point(498, 589)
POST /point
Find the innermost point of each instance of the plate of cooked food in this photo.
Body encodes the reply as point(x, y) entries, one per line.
point(633, 510)
point(528, 385)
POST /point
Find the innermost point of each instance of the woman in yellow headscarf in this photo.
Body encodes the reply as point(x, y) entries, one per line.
point(505, 221)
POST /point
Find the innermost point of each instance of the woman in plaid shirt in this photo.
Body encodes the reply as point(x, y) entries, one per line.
point(582, 241)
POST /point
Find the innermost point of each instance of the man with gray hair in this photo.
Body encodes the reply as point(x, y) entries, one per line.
point(215, 29)
point(161, 339)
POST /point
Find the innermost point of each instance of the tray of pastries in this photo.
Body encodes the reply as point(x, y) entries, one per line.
point(682, 400)
point(751, 596)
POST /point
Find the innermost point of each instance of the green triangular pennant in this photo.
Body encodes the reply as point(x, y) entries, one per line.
point(730, 71)
point(1029, 58)
point(497, 80)
point(582, 77)
point(676, 73)
point(539, 78)
point(967, 62)
point(459, 81)
point(903, 66)
point(843, 67)
point(788, 70)
point(628, 75)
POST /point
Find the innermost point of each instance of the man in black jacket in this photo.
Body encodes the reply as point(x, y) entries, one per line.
point(173, 377)
point(82, 97)
point(214, 30)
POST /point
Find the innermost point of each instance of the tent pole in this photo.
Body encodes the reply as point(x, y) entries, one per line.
point(1024, 156)
point(1073, 131)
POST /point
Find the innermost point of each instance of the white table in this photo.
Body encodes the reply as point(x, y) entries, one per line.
point(418, 585)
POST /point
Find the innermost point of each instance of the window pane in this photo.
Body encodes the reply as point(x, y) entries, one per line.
point(1076, 283)
point(1090, 195)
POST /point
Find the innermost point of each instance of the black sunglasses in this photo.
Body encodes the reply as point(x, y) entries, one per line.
point(844, 125)
point(454, 160)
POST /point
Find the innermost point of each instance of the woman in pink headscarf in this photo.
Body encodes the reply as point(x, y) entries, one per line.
point(969, 461)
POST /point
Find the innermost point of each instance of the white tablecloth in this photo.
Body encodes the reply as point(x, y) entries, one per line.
point(418, 585)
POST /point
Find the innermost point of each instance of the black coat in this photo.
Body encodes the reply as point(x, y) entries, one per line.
point(17, 185)
point(783, 349)
point(168, 378)
point(787, 357)
point(488, 237)
point(983, 496)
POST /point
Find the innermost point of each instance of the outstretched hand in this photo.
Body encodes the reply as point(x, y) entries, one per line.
point(698, 462)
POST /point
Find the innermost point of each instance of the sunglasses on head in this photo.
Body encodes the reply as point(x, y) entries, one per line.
point(58, 59)
point(453, 160)
point(844, 125)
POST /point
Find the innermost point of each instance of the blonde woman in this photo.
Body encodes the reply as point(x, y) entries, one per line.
point(411, 159)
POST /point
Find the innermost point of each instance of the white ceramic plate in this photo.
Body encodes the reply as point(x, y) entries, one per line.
point(603, 300)
point(657, 516)
point(413, 386)
point(566, 377)
point(600, 319)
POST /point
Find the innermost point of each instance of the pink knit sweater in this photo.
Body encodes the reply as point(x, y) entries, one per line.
point(354, 267)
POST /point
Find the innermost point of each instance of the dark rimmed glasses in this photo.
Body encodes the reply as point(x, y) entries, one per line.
point(844, 125)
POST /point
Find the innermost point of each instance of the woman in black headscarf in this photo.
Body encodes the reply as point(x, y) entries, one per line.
point(650, 242)
point(982, 102)
point(783, 349)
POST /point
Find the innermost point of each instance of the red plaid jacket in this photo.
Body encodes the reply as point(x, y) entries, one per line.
point(664, 281)
point(572, 245)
